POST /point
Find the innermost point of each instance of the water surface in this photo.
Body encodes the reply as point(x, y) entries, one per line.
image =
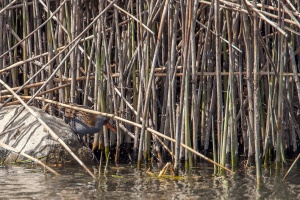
point(126, 182)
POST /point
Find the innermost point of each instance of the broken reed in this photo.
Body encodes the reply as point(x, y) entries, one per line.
point(183, 68)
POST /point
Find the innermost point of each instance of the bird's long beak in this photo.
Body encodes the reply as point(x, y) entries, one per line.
point(110, 127)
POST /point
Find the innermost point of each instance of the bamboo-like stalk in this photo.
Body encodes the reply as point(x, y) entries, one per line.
point(218, 69)
point(268, 126)
point(232, 39)
point(99, 103)
point(110, 88)
point(201, 91)
point(249, 61)
point(214, 146)
point(121, 83)
point(223, 139)
point(188, 156)
point(51, 46)
point(194, 104)
point(25, 66)
point(279, 130)
point(186, 34)
point(88, 74)
point(256, 99)
point(170, 127)
point(73, 64)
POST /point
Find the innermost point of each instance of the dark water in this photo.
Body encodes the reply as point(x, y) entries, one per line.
point(126, 182)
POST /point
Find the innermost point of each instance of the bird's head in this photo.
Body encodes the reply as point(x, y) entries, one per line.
point(107, 124)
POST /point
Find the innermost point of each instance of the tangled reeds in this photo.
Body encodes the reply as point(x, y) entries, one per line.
point(185, 69)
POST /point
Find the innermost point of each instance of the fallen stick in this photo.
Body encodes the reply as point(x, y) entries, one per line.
point(16, 151)
point(291, 166)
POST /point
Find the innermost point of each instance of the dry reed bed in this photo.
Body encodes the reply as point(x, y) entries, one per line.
point(217, 76)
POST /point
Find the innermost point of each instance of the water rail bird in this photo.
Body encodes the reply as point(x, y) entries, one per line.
point(84, 123)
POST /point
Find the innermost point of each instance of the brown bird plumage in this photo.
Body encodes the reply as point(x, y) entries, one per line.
point(86, 123)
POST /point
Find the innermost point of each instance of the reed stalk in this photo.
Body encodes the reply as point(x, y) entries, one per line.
point(256, 99)
point(218, 68)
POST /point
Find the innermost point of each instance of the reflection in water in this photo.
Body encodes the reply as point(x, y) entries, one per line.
point(19, 182)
